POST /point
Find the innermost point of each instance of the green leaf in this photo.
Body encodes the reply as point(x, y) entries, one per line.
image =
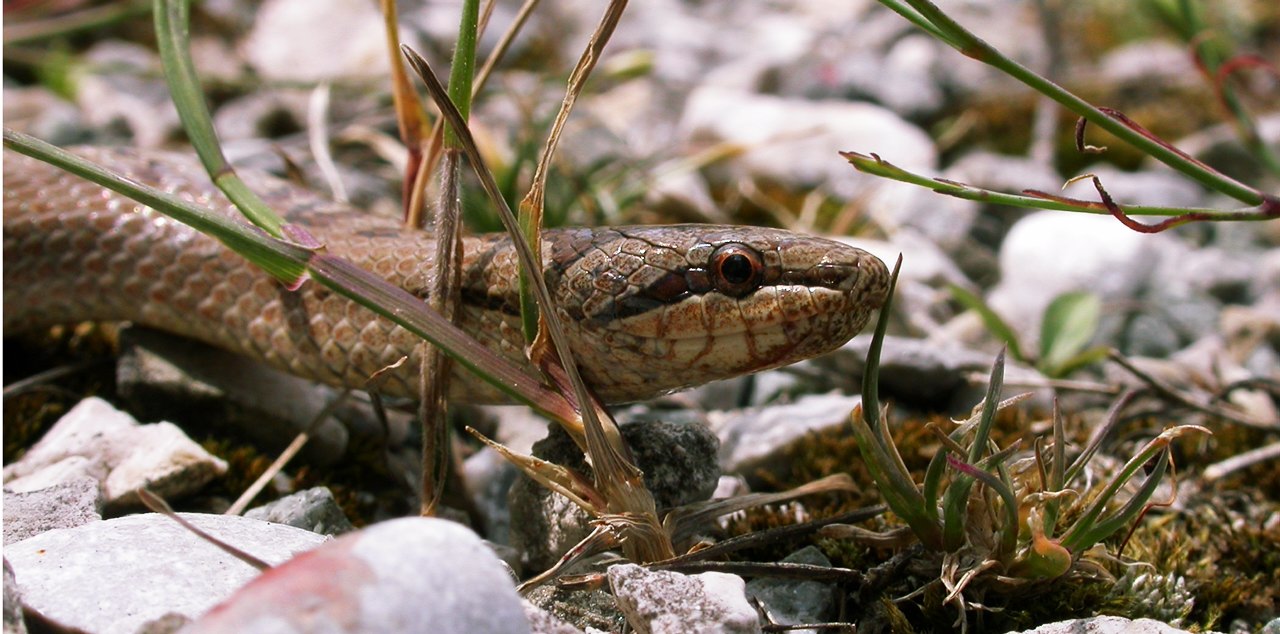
point(1069, 324)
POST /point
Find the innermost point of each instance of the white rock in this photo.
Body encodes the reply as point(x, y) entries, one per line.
point(663, 602)
point(1106, 625)
point(317, 40)
point(107, 444)
point(65, 470)
point(113, 576)
point(163, 460)
point(1049, 253)
point(92, 429)
point(795, 141)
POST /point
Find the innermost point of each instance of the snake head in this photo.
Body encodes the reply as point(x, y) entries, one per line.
point(652, 309)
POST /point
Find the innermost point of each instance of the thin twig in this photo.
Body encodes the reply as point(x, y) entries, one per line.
point(1219, 470)
point(299, 441)
point(158, 505)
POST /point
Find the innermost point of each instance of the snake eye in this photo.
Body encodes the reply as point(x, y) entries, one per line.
point(737, 269)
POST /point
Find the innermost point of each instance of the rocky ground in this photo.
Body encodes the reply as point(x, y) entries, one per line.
point(699, 112)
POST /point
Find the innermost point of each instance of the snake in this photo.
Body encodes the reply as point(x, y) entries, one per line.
point(648, 310)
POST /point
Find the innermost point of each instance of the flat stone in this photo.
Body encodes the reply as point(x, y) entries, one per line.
point(405, 575)
point(131, 570)
point(68, 504)
point(756, 439)
point(664, 602)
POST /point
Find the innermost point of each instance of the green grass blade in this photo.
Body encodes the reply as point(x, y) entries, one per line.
point(171, 20)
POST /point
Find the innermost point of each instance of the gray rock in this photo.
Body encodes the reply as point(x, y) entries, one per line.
point(756, 440)
point(793, 601)
point(134, 569)
point(314, 510)
point(68, 504)
point(405, 575)
point(663, 602)
point(1106, 625)
point(926, 267)
point(679, 465)
point(1221, 147)
point(489, 478)
point(122, 454)
point(171, 378)
point(13, 623)
point(927, 375)
point(1003, 172)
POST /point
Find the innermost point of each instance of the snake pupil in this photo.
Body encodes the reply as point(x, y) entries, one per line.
point(738, 269)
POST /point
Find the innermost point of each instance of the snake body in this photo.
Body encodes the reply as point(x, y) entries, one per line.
point(648, 309)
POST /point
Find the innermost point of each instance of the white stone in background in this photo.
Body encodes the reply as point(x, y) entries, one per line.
point(1049, 253)
point(1160, 187)
point(945, 220)
point(134, 569)
point(925, 270)
point(1149, 62)
point(318, 40)
point(406, 575)
point(1003, 172)
point(1106, 625)
point(663, 602)
point(113, 448)
point(796, 141)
